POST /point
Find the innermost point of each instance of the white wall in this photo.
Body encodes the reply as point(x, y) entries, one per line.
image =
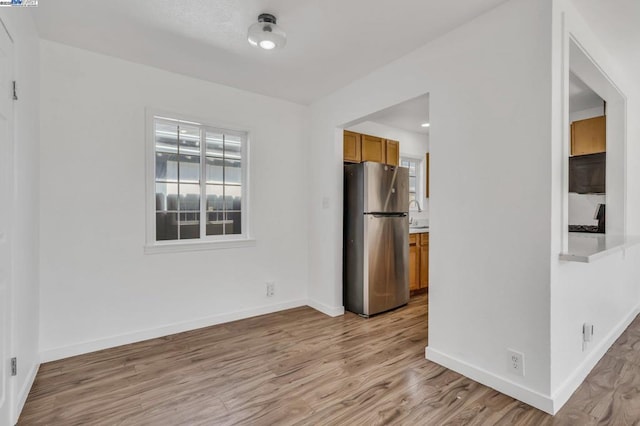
point(489, 274)
point(98, 288)
point(412, 144)
point(605, 293)
point(586, 113)
point(582, 208)
point(25, 295)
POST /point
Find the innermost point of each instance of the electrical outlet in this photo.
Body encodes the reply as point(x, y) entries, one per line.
point(271, 288)
point(515, 362)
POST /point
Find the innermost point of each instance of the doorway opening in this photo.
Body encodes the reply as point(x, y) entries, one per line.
point(393, 138)
point(596, 149)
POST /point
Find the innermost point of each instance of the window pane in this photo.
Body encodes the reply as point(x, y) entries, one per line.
point(233, 195)
point(189, 197)
point(412, 184)
point(166, 226)
point(215, 225)
point(233, 224)
point(232, 172)
point(412, 168)
point(189, 225)
point(189, 140)
point(412, 196)
point(166, 167)
point(215, 210)
point(166, 137)
point(214, 144)
point(224, 204)
point(214, 170)
point(166, 197)
point(233, 198)
point(190, 168)
point(232, 147)
point(214, 198)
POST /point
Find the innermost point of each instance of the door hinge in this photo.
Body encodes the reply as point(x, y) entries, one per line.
point(14, 366)
point(15, 91)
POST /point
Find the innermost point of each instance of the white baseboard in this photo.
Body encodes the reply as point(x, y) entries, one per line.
point(501, 384)
point(138, 336)
point(566, 389)
point(23, 393)
point(332, 311)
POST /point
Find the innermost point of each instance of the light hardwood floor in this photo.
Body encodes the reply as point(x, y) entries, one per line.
point(301, 367)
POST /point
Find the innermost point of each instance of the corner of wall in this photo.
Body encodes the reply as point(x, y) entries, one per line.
point(23, 393)
point(487, 378)
point(332, 311)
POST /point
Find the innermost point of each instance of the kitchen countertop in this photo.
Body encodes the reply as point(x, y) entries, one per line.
point(587, 248)
point(419, 230)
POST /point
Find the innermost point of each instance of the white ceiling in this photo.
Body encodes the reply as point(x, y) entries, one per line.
point(408, 115)
point(330, 42)
point(581, 97)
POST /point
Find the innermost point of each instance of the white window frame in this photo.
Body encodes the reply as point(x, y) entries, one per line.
point(420, 195)
point(207, 242)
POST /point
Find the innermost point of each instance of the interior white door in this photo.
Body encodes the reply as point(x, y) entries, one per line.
point(6, 197)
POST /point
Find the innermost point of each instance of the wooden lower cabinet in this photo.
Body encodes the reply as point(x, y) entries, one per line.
point(418, 261)
point(414, 263)
point(424, 260)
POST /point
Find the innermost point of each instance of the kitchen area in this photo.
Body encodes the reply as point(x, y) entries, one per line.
point(595, 157)
point(587, 159)
point(386, 216)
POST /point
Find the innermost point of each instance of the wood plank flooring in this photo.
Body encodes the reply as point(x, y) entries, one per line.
point(301, 367)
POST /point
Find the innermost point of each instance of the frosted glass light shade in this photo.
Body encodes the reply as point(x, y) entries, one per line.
point(266, 34)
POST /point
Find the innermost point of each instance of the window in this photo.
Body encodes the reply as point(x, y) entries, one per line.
point(199, 183)
point(414, 173)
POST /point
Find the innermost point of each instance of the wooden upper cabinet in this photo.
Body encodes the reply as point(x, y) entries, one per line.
point(373, 149)
point(352, 151)
point(589, 136)
point(393, 152)
point(358, 148)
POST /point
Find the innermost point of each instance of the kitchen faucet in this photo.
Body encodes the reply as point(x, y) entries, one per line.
point(417, 204)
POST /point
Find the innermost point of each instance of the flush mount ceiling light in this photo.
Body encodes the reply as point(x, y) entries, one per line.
point(266, 34)
point(425, 124)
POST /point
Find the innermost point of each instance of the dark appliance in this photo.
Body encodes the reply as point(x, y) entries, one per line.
point(587, 173)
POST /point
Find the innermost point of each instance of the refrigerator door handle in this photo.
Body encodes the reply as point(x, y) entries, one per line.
point(383, 215)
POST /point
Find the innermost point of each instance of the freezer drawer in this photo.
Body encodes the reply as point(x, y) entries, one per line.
point(386, 269)
point(385, 188)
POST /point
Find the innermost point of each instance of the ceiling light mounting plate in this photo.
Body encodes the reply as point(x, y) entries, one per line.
point(267, 17)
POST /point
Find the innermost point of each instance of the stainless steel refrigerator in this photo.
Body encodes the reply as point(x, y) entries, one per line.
point(376, 237)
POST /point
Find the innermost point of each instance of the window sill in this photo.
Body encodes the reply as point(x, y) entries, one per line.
point(197, 246)
point(587, 248)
